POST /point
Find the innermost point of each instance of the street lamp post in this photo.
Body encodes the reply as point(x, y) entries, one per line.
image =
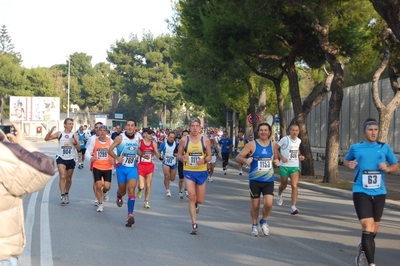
point(69, 81)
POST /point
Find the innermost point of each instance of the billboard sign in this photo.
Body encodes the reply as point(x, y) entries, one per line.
point(34, 108)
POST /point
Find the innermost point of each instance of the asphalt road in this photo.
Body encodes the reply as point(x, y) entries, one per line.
point(324, 233)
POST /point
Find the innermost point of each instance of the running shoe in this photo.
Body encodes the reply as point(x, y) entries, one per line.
point(120, 202)
point(139, 193)
point(209, 179)
point(197, 208)
point(146, 205)
point(254, 230)
point(96, 202)
point(240, 172)
point(81, 166)
point(294, 210)
point(130, 220)
point(360, 258)
point(106, 197)
point(168, 193)
point(66, 199)
point(186, 193)
point(181, 195)
point(194, 229)
point(224, 172)
point(62, 200)
point(279, 200)
point(264, 228)
point(100, 208)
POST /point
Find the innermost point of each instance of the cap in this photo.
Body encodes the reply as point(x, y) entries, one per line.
point(148, 130)
point(103, 127)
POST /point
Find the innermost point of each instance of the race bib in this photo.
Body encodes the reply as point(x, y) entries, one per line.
point(264, 164)
point(149, 160)
point(66, 149)
point(129, 160)
point(170, 160)
point(193, 158)
point(102, 154)
point(81, 142)
point(293, 154)
point(371, 179)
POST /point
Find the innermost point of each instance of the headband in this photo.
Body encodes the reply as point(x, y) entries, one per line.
point(368, 124)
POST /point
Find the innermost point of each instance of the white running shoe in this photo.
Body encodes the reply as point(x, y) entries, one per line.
point(209, 179)
point(240, 172)
point(264, 228)
point(66, 198)
point(62, 200)
point(294, 210)
point(106, 197)
point(254, 230)
point(96, 202)
point(279, 200)
point(181, 195)
point(100, 208)
point(168, 193)
point(186, 193)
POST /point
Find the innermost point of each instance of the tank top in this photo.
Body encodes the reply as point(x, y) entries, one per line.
point(290, 150)
point(100, 153)
point(127, 150)
point(146, 150)
point(168, 153)
point(82, 140)
point(65, 148)
point(194, 152)
point(261, 168)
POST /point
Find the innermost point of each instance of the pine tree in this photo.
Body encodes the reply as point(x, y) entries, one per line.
point(6, 46)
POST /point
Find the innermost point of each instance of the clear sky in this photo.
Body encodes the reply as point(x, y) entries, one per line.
point(45, 32)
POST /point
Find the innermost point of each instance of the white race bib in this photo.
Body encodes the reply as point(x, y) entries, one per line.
point(371, 179)
point(170, 160)
point(129, 160)
point(102, 154)
point(193, 158)
point(66, 150)
point(293, 154)
point(264, 164)
point(147, 154)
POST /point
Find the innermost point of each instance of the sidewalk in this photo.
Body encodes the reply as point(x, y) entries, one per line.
point(392, 182)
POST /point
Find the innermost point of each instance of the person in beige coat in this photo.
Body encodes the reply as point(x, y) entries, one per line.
point(23, 170)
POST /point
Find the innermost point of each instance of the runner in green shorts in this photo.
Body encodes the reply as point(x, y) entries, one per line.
point(288, 150)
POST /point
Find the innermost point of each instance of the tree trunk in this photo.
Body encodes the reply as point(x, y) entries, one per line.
point(116, 98)
point(87, 111)
point(1, 109)
point(262, 100)
point(252, 108)
point(331, 51)
point(300, 118)
point(385, 112)
point(170, 118)
point(146, 112)
point(281, 106)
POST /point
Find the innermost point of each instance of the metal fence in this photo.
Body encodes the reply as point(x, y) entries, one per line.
point(356, 107)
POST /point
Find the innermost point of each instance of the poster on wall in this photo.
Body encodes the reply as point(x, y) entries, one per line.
point(34, 108)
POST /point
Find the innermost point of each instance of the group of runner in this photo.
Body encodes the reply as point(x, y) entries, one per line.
point(195, 155)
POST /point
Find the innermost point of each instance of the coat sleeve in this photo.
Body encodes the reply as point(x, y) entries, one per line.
point(23, 173)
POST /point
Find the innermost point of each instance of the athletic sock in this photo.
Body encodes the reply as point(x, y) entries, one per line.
point(368, 244)
point(131, 203)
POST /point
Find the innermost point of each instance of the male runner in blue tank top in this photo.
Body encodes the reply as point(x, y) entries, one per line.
point(127, 145)
point(261, 175)
point(371, 159)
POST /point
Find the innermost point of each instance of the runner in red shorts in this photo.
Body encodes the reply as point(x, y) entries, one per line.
point(146, 166)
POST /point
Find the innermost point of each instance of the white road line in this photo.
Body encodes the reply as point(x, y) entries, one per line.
point(25, 258)
point(46, 252)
